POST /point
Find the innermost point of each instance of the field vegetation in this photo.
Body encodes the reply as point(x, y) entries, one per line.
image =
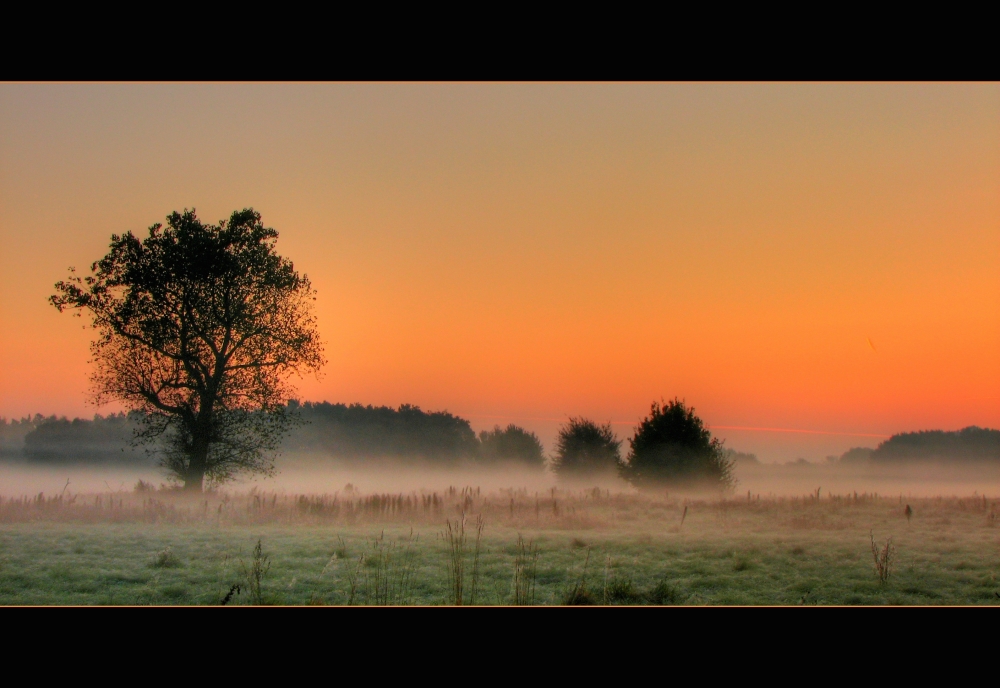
point(149, 545)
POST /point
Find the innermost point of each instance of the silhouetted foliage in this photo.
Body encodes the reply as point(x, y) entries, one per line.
point(198, 327)
point(13, 432)
point(511, 445)
point(338, 431)
point(101, 440)
point(857, 455)
point(969, 444)
point(584, 448)
point(358, 432)
point(672, 446)
point(738, 457)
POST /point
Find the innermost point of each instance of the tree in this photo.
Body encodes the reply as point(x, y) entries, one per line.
point(857, 455)
point(585, 448)
point(407, 433)
point(968, 444)
point(511, 444)
point(672, 446)
point(198, 327)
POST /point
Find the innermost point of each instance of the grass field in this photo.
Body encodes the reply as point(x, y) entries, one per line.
point(594, 546)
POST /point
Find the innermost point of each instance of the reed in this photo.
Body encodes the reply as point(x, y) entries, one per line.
point(474, 593)
point(387, 572)
point(455, 538)
point(525, 571)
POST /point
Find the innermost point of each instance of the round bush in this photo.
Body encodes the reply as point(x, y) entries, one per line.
point(511, 445)
point(586, 448)
point(672, 446)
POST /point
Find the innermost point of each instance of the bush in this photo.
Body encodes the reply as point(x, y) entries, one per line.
point(672, 446)
point(511, 444)
point(585, 448)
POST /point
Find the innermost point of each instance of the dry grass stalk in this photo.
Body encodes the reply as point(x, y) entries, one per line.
point(352, 581)
point(473, 597)
point(389, 573)
point(255, 573)
point(883, 558)
point(455, 537)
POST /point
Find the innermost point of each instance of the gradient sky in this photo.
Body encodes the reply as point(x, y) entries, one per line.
point(820, 257)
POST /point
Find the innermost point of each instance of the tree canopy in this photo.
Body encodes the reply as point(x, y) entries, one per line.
point(672, 446)
point(584, 448)
point(358, 432)
point(198, 327)
point(512, 444)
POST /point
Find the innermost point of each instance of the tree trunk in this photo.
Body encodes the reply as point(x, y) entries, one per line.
point(201, 431)
point(194, 481)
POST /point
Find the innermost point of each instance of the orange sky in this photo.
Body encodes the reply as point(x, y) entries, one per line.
point(525, 252)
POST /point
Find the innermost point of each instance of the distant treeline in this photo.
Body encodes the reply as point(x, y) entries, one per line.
point(339, 431)
point(971, 444)
point(12, 432)
point(359, 432)
point(105, 439)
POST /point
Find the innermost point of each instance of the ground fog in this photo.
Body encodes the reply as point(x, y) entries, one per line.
point(790, 534)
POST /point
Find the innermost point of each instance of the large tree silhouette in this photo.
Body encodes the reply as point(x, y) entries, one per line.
point(199, 327)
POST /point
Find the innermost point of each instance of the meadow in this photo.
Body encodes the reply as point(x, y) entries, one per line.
point(470, 545)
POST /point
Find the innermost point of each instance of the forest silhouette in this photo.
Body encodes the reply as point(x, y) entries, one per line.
point(337, 432)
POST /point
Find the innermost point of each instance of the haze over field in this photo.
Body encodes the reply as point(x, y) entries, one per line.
point(812, 266)
point(779, 481)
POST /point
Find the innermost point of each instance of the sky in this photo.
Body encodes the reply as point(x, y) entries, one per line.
point(811, 266)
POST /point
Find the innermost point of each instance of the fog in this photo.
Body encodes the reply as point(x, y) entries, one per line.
point(916, 480)
point(303, 475)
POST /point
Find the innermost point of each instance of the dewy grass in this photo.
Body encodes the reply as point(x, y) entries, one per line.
point(579, 594)
point(383, 574)
point(165, 559)
point(525, 572)
point(100, 549)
